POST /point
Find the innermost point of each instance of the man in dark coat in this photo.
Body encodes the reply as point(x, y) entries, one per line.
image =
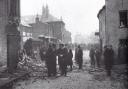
point(54, 53)
point(60, 55)
point(76, 51)
point(92, 57)
point(98, 57)
point(69, 58)
point(108, 59)
point(50, 57)
point(80, 57)
point(62, 59)
point(65, 60)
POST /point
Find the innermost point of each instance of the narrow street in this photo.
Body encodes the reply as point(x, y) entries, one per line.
point(77, 79)
point(63, 44)
point(74, 80)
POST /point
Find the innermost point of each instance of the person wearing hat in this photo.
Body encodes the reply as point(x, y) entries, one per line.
point(60, 54)
point(80, 57)
point(54, 54)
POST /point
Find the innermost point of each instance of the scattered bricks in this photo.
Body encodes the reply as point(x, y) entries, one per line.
point(7, 82)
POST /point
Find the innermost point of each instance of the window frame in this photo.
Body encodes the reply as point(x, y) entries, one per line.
point(125, 26)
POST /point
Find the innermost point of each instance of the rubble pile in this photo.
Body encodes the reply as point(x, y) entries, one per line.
point(36, 66)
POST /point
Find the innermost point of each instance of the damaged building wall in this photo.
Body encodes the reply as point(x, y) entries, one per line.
point(115, 28)
point(3, 23)
point(115, 17)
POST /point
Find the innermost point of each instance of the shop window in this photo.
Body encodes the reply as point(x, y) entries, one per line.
point(123, 18)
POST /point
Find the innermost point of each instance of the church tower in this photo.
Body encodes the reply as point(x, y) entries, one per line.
point(45, 13)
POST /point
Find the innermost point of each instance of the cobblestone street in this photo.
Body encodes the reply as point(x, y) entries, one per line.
point(87, 78)
point(77, 79)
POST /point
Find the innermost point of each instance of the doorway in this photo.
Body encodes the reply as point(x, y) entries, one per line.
point(123, 50)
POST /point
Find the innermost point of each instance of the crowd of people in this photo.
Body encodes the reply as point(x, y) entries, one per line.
point(63, 55)
point(108, 56)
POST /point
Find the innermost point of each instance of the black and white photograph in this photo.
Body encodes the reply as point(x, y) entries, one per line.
point(63, 44)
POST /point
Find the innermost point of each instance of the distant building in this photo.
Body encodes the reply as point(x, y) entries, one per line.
point(113, 25)
point(88, 39)
point(39, 28)
point(48, 25)
point(25, 32)
point(57, 28)
point(67, 36)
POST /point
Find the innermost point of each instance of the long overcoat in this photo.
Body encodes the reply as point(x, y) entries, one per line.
point(69, 57)
point(108, 58)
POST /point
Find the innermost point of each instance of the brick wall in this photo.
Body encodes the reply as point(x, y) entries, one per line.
point(39, 29)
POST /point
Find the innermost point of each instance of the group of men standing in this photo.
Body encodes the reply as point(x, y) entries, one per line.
point(95, 57)
point(108, 57)
point(63, 54)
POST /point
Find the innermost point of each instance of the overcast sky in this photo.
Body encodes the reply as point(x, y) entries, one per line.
point(80, 16)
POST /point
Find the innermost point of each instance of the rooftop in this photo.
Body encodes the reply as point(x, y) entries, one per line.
point(103, 8)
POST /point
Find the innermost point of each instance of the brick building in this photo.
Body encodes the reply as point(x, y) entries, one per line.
point(39, 28)
point(113, 25)
point(57, 28)
point(48, 25)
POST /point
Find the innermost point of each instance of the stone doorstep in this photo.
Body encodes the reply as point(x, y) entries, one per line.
point(12, 78)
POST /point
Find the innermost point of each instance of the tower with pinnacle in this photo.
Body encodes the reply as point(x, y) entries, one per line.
point(45, 13)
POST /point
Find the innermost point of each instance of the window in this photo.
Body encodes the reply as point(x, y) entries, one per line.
point(123, 18)
point(24, 33)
